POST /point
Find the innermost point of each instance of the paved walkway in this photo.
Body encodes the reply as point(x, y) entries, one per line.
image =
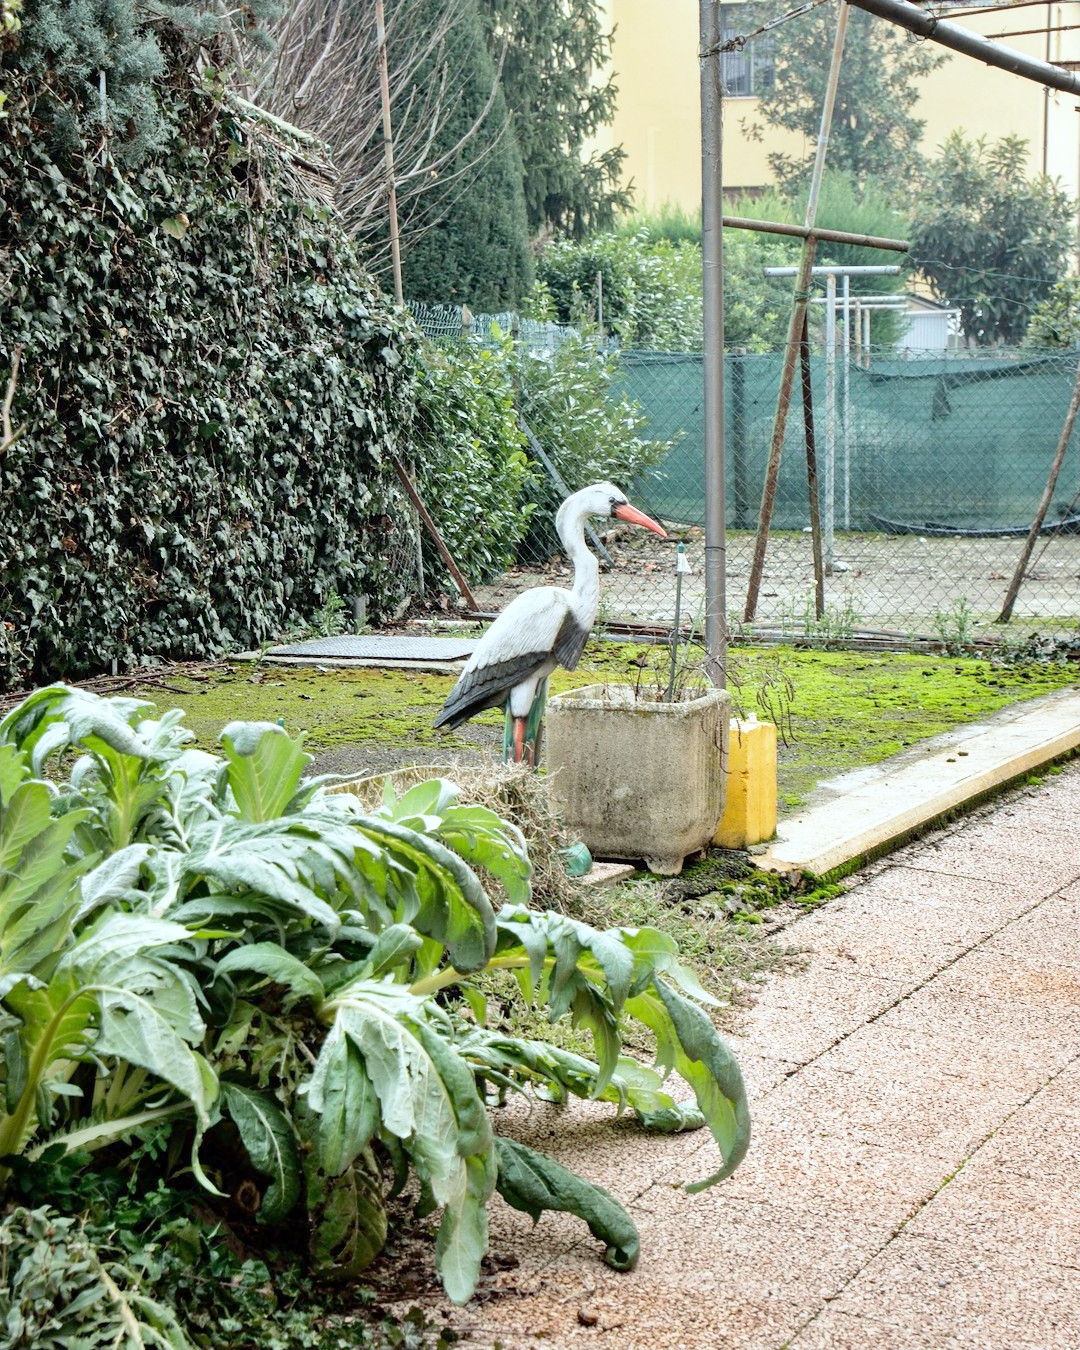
point(913, 1182)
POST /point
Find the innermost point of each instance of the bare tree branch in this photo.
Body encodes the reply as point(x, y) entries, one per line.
point(323, 77)
point(8, 437)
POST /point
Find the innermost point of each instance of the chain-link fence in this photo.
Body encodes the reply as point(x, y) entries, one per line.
point(930, 469)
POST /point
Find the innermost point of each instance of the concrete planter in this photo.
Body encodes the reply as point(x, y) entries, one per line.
point(636, 779)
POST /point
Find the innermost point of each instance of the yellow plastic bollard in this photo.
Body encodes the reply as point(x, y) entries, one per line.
point(750, 806)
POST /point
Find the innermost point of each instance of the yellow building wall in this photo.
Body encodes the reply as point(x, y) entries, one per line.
point(658, 119)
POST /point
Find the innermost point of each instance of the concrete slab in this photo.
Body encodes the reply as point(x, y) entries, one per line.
point(607, 874)
point(913, 1175)
point(379, 646)
point(950, 1297)
point(903, 797)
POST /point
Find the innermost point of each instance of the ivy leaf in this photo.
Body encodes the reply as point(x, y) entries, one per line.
point(176, 226)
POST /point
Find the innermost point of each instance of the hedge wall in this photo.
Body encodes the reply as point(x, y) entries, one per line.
point(210, 382)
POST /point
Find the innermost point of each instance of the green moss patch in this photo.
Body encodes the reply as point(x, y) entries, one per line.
point(839, 710)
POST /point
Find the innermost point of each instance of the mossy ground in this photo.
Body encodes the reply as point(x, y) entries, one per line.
point(839, 710)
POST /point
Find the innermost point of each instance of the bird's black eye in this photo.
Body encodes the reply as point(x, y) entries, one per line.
point(614, 504)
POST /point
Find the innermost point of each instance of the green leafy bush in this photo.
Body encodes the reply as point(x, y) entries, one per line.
point(589, 427)
point(211, 383)
point(469, 450)
point(59, 1288)
point(1055, 321)
point(652, 285)
point(292, 984)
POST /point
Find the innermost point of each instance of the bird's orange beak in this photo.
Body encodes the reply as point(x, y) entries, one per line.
point(635, 517)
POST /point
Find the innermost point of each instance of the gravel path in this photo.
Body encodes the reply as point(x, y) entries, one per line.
point(914, 1177)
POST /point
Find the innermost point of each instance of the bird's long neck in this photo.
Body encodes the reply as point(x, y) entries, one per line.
point(585, 591)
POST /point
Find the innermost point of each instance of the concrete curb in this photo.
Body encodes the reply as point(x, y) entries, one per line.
point(885, 806)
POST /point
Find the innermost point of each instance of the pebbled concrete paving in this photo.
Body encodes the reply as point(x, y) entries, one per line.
point(914, 1178)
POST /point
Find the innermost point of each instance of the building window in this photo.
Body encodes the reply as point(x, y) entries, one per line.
point(749, 71)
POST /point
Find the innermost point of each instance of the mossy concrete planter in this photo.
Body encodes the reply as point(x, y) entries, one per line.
point(636, 779)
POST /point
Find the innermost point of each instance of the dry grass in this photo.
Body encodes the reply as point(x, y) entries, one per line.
point(510, 790)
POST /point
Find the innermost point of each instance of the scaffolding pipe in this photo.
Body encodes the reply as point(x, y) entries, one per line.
point(712, 263)
point(927, 25)
point(837, 270)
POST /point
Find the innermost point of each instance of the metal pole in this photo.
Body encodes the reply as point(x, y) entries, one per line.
point(830, 422)
point(712, 260)
point(928, 25)
point(798, 312)
point(388, 144)
point(847, 402)
point(738, 439)
point(811, 472)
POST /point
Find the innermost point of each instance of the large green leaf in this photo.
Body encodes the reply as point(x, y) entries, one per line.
point(687, 1041)
point(446, 900)
point(265, 766)
point(341, 1095)
point(480, 836)
point(134, 1029)
point(13, 770)
point(268, 1138)
point(463, 1232)
point(532, 1182)
point(428, 1099)
point(52, 718)
point(348, 1217)
point(272, 960)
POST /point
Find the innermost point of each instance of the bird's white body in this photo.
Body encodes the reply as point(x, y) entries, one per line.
point(542, 628)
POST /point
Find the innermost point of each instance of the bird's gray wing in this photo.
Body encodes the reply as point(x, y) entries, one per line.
point(519, 641)
point(571, 642)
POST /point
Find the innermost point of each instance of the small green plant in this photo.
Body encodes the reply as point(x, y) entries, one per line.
point(832, 629)
point(59, 1288)
point(954, 628)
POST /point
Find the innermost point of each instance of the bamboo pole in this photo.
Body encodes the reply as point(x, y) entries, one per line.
point(1044, 504)
point(806, 232)
point(798, 315)
point(433, 530)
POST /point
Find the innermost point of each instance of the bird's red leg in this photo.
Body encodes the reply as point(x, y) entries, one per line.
point(519, 739)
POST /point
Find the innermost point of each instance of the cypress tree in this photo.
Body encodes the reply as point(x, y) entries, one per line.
point(468, 241)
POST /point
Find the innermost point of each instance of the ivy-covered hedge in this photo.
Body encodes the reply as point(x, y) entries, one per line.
point(211, 384)
point(471, 459)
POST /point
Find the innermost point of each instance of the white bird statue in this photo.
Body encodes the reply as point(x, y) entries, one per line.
point(539, 630)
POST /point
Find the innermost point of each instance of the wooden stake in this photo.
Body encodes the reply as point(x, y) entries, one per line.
point(795, 327)
point(1044, 505)
point(388, 143)
point(433, 530)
